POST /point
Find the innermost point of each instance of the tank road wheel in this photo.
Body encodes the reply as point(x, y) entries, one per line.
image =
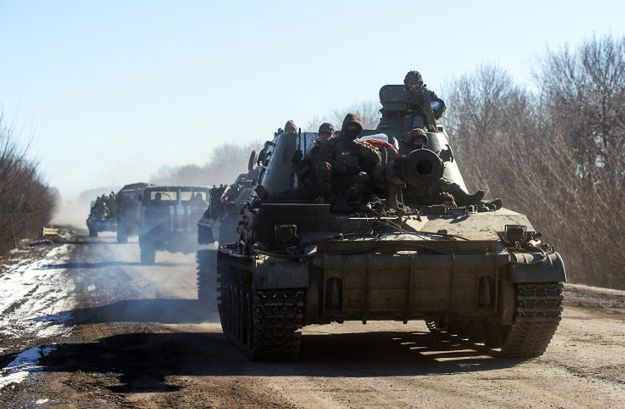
point(538, 313)
point(206, 265)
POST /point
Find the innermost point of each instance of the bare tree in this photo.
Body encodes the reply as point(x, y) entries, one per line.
point(368, 110)
point(559, 155)
point(226, 162)
point(26, 202)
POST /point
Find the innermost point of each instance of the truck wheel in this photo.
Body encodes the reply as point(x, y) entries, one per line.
point(148, 254)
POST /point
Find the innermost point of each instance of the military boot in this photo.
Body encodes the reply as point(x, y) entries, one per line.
point(495, 204)
point(462, 198)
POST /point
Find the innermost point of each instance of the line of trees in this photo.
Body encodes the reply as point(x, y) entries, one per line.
point(368, 110)
point(26, 202)
point(555, 152)
point(225, 163)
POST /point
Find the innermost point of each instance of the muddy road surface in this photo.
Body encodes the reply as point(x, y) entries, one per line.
point(135, 337)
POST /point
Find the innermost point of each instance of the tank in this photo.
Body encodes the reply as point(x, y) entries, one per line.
point(219, 224)
point(219, 221)
point(168, 219)
point(129, 209)
point(101, 216)
point(478, 273)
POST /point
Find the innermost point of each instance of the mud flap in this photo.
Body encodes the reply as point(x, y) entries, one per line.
point(537, 268)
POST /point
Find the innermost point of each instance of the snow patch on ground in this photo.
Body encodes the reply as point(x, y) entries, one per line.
point(35, 294)
point(23, 364)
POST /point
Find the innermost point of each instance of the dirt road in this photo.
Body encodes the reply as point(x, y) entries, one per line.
point(138, 338)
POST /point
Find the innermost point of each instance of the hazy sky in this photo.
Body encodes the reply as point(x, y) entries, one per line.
point(109, 91)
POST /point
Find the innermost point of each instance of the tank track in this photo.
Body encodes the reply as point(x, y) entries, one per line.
point(277, 321)
point(537, 315)
point(264, 324)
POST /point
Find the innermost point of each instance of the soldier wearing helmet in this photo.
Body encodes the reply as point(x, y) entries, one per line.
point(305, 166)
point(424, 104)
point(441, 191)
point(345, 167)
point(290, 127)
point(326, 131)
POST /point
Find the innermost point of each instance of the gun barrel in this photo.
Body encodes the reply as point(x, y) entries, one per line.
point(421, 167)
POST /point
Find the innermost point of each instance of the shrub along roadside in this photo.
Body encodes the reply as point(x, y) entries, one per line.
point(26, 202)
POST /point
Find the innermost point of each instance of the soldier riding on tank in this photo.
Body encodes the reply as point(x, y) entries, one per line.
point(290, 127)
point(345, 167)
point(441, 190)
point(305, 166)
point(422, 102)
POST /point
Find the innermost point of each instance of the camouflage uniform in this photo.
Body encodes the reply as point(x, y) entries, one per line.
point(442, 191)
point(417, 96)
point(344, 165)
point(437, 193)
point(112, 204)
point(306, 167)
point(100, 208)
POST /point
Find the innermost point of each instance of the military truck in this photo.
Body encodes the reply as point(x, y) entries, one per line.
point(169, 215)
point(478, 273)
point(128, 210)
point(101, 216)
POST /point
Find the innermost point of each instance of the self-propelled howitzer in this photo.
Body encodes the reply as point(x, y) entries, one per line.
point(475, 272)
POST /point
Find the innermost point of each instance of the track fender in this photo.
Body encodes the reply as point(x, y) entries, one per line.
point(280, 273)
point(537, 268)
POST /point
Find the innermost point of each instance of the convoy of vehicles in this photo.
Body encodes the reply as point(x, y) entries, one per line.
point(278, 262)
